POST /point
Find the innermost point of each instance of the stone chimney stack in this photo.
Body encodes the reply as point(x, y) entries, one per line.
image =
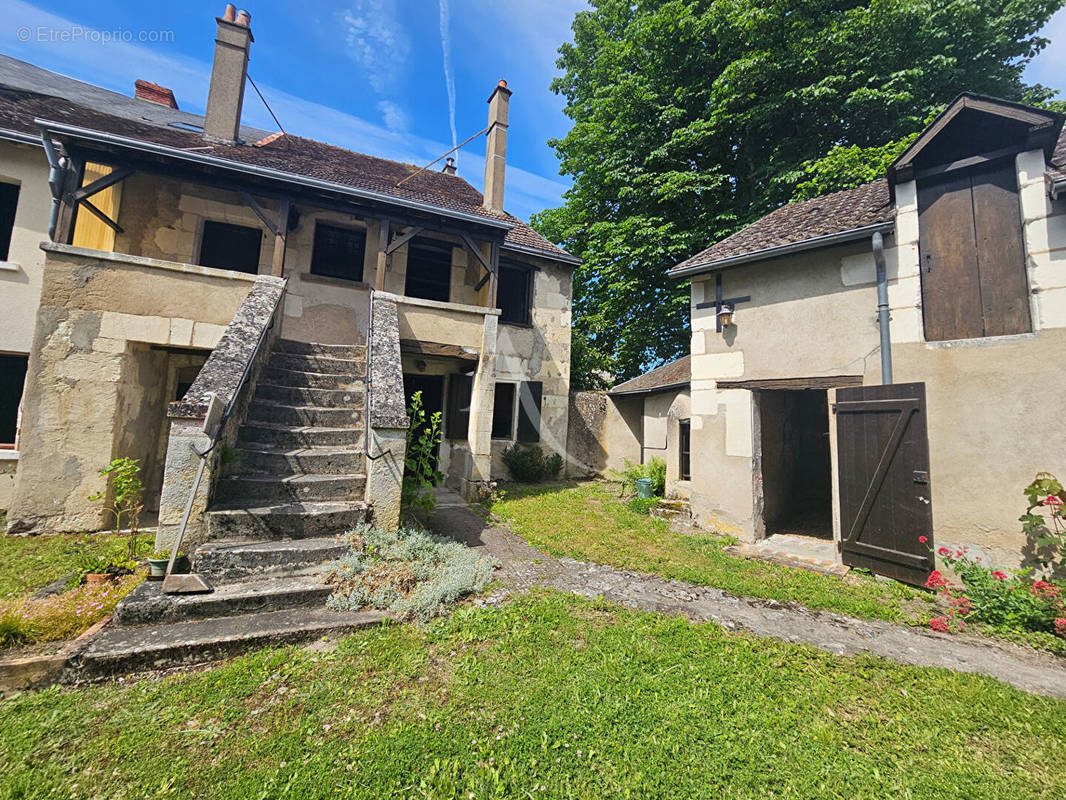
point(496, 147)
point(222, 122)
point(449, 166)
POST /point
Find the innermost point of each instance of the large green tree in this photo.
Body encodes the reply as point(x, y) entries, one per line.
point(691, 118)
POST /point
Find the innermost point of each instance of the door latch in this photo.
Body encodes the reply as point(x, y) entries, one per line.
point(921, 476)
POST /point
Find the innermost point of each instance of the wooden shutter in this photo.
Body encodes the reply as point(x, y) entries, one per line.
point(529, 395)
point(972, 259)
point(460, 388)
point(885, 496)
point(1000, 255)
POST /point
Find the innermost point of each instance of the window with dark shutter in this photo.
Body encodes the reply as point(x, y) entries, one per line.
point(972, 258)
point(514, 293)
point(429, 270)
point(457, 424)
point(684, 467)
point(227, 246)
point(9, 200)
point(529, 394)
point(12, 380)
point(338, 252)
point(503, 411)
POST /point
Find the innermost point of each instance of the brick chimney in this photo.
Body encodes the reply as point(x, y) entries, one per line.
point(154, 93)
point(222, 122)
point(496, 147)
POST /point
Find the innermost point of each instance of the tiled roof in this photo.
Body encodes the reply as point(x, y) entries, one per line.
point(675, 373)
point(294, 155)
point(829, 214)
point(797, 222)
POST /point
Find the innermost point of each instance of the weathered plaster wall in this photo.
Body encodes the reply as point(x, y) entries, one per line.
point(85, 380)
point(20, 275)
point(992, 403)
point(8, 467)
point(586, 445)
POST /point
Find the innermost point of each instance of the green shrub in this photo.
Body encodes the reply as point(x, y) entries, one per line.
point(655, 469)
point(420, 473)
point(411, 573)
point(530, 465)
point(643, 505)
point(126, 503)
point(15, 630)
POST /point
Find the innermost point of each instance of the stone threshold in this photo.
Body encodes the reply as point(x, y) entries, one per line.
point(39, 672)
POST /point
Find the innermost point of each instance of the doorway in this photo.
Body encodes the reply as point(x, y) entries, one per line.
point(432, 389)
point(796, 466)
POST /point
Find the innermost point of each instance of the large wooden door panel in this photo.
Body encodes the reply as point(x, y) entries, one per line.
point(883, 466)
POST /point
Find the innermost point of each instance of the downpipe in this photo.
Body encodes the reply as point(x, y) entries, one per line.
point(878, 244)
point(56, 178)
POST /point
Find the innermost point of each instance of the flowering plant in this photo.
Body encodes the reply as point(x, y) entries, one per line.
point(1044, 521)
point(995, 597)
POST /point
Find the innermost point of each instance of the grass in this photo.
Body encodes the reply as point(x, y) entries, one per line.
point(589, 521)
point(550, 696)
point(28, 563)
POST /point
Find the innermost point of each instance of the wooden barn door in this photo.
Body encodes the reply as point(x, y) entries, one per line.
point(883, 458)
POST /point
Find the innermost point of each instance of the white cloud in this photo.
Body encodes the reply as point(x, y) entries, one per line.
point(377, 41)
point(396, 118)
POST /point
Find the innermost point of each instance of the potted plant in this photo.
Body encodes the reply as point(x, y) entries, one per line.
point(157, 564)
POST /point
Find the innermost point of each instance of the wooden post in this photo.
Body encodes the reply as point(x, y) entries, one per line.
point(494, 275)
point(383, 255)
point(281, 236)
point(68, 208)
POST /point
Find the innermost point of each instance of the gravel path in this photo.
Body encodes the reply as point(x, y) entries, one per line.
point(524, 567)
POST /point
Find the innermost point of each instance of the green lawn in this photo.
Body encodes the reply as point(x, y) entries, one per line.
point(550, 696)
point(589, 521)
point(28, 563)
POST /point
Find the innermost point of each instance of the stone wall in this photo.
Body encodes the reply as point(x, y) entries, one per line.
point(586, 448)
point(91, 389)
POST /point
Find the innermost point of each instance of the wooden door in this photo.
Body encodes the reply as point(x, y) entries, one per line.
point(883, 459)
point(972, 259)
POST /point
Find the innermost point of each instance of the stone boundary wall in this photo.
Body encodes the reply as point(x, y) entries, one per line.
point(586, 446)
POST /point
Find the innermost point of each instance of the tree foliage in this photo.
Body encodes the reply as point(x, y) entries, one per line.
point(691, 118)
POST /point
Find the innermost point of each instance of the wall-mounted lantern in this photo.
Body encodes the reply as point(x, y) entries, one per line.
point(725, 316)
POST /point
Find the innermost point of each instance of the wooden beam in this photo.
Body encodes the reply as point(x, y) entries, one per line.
point(822, 382)
point(281, 236)
point(274, 228)
point(117, 175)
point(400, 241)
point(973, 161)
point(473, 248)
point(104, 218)
point(383, 255)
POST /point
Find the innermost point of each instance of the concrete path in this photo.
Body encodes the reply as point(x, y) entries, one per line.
point(525, 566)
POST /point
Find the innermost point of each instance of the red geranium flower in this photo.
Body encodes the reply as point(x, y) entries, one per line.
point(1060, 627)
point(941, 624)
point(944, 551)
point(999, 576)
point(923, 539)
point(1043, 589)
point(1052, 500)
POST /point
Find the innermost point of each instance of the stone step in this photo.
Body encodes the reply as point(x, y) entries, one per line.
point(301, 395)
point(332, 366)
point(231, 560)
point(285, 521)
point(295, 347)
point(147, 605)
point(293, 437)
point(122, 650)
point(314, 460)
point(310, 380)
point(297, 488)
point(281, 414)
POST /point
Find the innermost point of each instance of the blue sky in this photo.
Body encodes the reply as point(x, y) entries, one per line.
point(377, 76)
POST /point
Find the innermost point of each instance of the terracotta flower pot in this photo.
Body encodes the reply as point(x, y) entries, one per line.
point(97, 578)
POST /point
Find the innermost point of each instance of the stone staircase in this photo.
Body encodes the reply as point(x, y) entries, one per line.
point(300, 467)
point(296, 480)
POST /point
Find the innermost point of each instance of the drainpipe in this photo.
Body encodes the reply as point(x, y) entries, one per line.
point(882, 308)
point(56, 179)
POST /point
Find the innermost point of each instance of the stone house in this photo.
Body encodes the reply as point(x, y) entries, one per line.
point(883, 363)
point(167, 257)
